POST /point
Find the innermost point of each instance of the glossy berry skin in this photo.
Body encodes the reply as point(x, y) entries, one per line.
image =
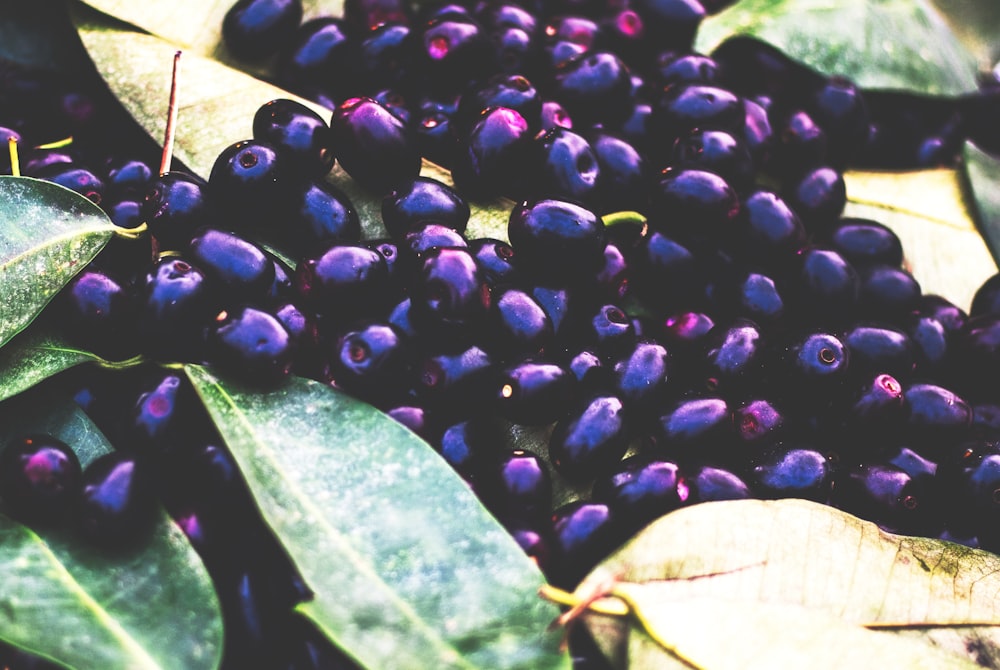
point(373, 146)
point(708, 483)
point(888, 496)
point(344, 281)
point(76, 178)
point(423, 200)
point(496, 259)
point(40, 478)
point(534, 392)
point(175, 205)
point(622, 173)
point(683, 108)
point(117, 502)
point(127, 177)
point(695, 428)
point(666, 273)
point(644, 376)
point(671, 23)
point(467, 447)
point(520, 488)
point(514, 92)
point(759, 421)
point(453, 51)
point(818, 197)
point(793, 472)
point(565, 166)
point(584, 534)
point(813, 368)
point(800, 145)
point(456, 384)
point(100, 313)
point(298, 132)
point(318, 214)
point(640, 490)
point(594, 87)
point(251, 344)
point(369, 361)
point(876, 412)
point(386, 56)
point(839, 107)
point(976, 354)
point(517, 324)
point(876, 349)
point(864, 243)
point(938, 419)
point(605, 328)
point(592, 438)
point(177, 300)
point(825, 287)
point(449, 292)
point(734, 361)
point(699, 206)
point(249, 178)
point(255, 29)
point(242, 267)
point(716, 151)
point(556, 240)
point(158, 414)
point(887, 292)
point(318, 61)
point(491, 158)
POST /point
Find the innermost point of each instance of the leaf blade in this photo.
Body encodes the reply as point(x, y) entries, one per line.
point(877, 44)
point(153, 607)
point(409, 563)
point(47, 235)
point(33, 356)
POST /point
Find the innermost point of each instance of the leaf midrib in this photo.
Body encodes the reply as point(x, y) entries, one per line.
point(448, 651)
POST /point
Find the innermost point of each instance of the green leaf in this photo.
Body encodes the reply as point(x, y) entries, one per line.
point(153, 607)
point(34, 356)
point(794, 552)
point(409, 570)
point(977, 24)
point(983, 171)
point(39, 34)
point(47, 235)
point(217, 105)
point(877, 43)
point(931, 212)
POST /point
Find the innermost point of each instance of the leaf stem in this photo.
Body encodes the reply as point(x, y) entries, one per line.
point(132, 233)
point(15, 163)
point(125, 364)
point(607, 606)
point(58, 144)
point(168, 134)
point(623, 217)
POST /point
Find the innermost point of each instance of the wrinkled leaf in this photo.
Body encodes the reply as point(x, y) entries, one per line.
point(794, 552)
point(885, 44)
point(983, 171)
point(34, 356)
point(47, 235)
point(408, 569)
point(934, 218)
point(217, 105)
point(153, 607)
point(773, 636)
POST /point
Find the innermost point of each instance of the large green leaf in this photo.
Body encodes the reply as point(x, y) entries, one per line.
point(977, 24)
point(794, 552)
point(153, 607)
point(35, 355)
point(934, 217)
point(983, 171)
point(217, 105)
point(409, 570)
point(877, 43)
point(47, 235)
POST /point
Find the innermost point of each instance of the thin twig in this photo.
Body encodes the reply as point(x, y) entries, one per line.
point(168, 135)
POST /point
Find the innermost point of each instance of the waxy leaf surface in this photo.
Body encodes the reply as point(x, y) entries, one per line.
point(47, 235)
point(35, 355)
point(983, 171)
point(408, 569)
point(885, 44)
point(794, 552)
point(152, 607)
point(217, 105)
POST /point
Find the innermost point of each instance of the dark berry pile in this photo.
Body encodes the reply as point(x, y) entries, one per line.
point(680, 307)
